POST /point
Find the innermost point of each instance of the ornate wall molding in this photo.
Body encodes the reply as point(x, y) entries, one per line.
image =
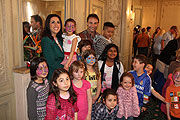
point(171, 3)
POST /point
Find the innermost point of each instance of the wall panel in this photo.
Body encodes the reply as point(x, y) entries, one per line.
point(9, 57)
point(170, 14)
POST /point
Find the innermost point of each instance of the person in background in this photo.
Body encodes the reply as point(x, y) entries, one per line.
point(52, 43)
point(83, 90)
point(157, 44)
point(108, 108)
point(168, 36)
point(26, 29)
point(156, 31)
point(148, 31)
point(62, 101)
point(127, 98)
point(108, 31)
point(168, 54)
point(27, 42)
point(36, 24)
point(83, 45)
point(36, 35)
point(135, 34)
point(38, 89)
point(174, 64)
point(172, 97)
point(143, 42)
point(70, 43)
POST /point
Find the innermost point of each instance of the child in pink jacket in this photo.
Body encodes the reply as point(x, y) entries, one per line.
point(127, 98)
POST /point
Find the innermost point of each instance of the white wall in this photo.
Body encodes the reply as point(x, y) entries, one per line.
point(163, 13)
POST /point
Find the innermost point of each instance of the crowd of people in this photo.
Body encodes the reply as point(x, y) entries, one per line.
point(80, 76)
point(163, 48)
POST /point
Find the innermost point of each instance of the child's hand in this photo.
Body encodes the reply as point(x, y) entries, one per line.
point(88, 117)
point(143, 109)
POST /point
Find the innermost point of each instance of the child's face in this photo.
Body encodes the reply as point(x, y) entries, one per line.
point(111, 101)
point(149, 69)
point(84, 48)
point(126, 83)
point(112, 53)
point(79, 74)
point(42, 70)
point(70, 28)
point(137, 65)
point(63, 82)
point(176, 78)
point(108, 32)
point(90, 60)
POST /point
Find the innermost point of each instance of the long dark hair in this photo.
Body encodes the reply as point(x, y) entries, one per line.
point(25, 25)
point(95, 66)
point(55, 90)
point(34, 65)
point(103, 56)
point(47, 31)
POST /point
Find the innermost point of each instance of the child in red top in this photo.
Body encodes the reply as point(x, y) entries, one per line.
point(173, 97)
point(61, 104)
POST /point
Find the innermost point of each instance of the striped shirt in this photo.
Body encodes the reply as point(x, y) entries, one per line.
point(37, 94)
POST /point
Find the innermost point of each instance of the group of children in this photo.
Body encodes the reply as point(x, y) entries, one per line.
point(70, 93)
point(86, 89)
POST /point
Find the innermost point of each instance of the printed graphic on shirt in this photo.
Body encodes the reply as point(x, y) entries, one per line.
point(141, 83)
point(91, 77)
point(175, 100)
point(178, 94)
point(171, 94)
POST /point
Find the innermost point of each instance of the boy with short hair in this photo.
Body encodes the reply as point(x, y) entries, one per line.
point(108, 31)
point(142, 80)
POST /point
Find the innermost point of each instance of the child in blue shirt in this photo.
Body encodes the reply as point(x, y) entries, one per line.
point(142, 80)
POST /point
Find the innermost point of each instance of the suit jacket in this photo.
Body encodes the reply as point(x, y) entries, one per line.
point(53, 54)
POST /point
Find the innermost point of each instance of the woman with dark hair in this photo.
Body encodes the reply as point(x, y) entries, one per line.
point(110, 67)
point(156, 32)
point(52, 43)
point(26, 28)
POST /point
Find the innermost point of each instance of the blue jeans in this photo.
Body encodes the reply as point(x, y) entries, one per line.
point(123, 118)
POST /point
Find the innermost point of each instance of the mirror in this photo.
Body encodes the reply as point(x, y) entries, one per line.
point(43, 8)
